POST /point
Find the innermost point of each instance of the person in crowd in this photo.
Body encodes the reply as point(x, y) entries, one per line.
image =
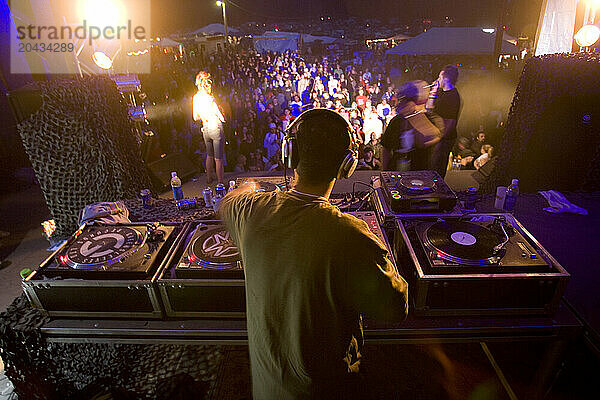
point(465, 155)
point(286, 118)
point(383, 111)
point(272, 140)
point(247, 144)
point(304, 321)
point(368, 161)
point(255, 163)
point(479, 141)
point(361, 99)
point(358, 136)
point(412, 133)
point(277, 107)
point(372, 127)
point(367, 76)
point(486, 154)
point(261, 106)
point(240, 166)
point(205, 109)
point(296, 106)
point(445, 100)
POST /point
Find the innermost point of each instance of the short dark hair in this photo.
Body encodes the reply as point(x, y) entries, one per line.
point(451, 73)
point(322, 137)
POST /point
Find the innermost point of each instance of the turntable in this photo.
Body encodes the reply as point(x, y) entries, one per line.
point(104, 270)
point(204, 277)
point(210, 253)
point(455, 243)
point(110, 252)
point(483, 264)
point(417, 191)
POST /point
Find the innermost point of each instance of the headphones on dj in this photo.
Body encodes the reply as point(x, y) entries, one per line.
point(289, 147)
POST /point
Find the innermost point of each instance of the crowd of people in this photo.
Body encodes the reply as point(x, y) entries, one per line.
point(260, 94)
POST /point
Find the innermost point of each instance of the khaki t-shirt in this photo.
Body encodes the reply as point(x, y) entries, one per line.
point(310, 272)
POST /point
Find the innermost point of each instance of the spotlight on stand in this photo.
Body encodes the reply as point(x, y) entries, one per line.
point(588, 35)
point(102, 60)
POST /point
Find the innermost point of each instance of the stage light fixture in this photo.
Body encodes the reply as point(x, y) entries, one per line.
point(588, 35)
point(102, 60)
point(488, 30)
point(219, 3)
point(102, 13)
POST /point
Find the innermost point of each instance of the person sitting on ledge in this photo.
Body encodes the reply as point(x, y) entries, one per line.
point(310, 270)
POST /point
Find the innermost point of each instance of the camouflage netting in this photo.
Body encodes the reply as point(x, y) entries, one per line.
point(552, 136)
point(49, 371)
point(83, 147)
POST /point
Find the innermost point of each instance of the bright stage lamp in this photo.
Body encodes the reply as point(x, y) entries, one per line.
point(103, 13)
point(489, 30)
point(102, 60)
point(587, 35)
point(219, 3)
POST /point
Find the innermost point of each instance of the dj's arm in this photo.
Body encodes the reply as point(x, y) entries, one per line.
point(235, 207)
point(375, 288)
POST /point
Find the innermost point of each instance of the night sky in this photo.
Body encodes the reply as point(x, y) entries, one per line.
point(169, 16)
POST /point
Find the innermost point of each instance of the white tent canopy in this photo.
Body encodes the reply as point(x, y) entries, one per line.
point(214, 29)
point(166, 42)
point(306, 38)
point(452, 41)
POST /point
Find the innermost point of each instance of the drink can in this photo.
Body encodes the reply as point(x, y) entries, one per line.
point(216, 203)
point(471, 198)
point(186, 204)
point(220, 190)
point(207, 195)
point(146, 198)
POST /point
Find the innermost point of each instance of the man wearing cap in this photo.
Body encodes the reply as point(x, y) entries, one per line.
point(310, 270)
point(272, 140)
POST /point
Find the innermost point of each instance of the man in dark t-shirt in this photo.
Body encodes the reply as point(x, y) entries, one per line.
point(445, 100)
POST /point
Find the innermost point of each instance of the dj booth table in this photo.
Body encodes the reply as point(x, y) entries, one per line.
point(557, 330)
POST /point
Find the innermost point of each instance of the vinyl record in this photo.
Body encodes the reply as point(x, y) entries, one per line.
point(417, 184)
point(101, 246)
point(462, 242)
point(214, 249)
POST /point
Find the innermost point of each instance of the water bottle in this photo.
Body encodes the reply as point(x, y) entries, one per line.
point(176, 186)
point(512, 192)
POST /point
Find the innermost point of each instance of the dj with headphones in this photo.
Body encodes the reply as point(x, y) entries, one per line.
point(311, 271)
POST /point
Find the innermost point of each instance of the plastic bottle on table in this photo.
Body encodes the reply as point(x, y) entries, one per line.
point(176, 186)
point(512, 193)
